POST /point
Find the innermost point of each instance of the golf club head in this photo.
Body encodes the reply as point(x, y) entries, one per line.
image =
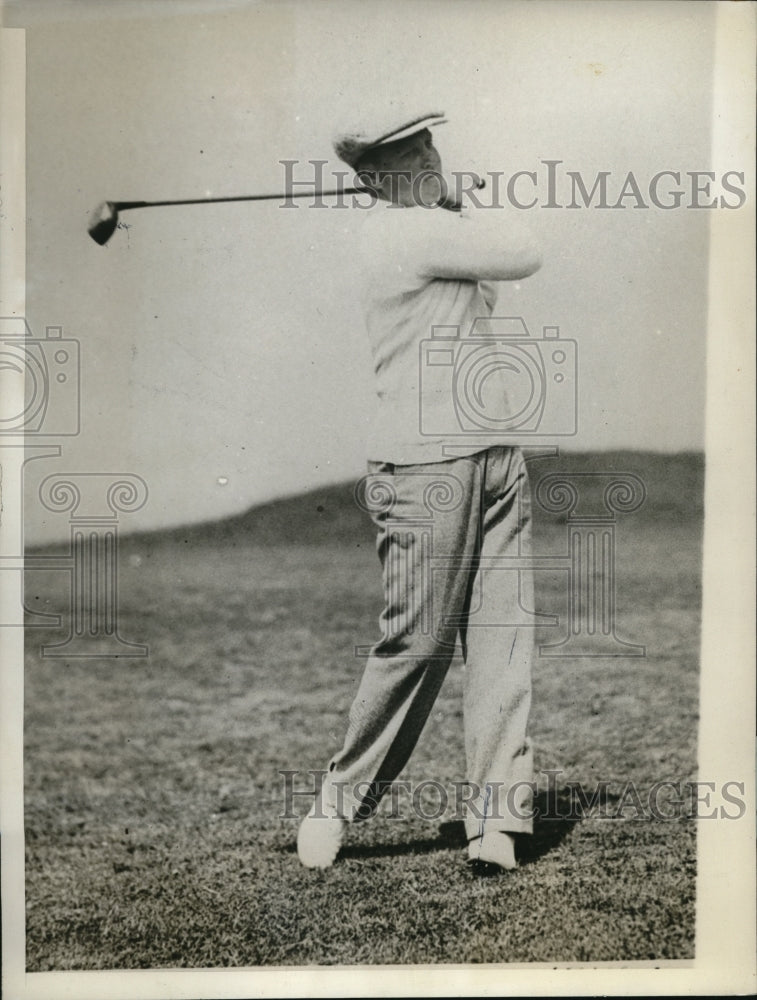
point(103, 222)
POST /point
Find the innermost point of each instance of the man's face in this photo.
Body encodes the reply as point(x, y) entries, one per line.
point(404, 169)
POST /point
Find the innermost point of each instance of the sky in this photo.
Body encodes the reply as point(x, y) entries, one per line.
point(223, 357)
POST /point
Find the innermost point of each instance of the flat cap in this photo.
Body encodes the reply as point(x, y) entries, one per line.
point(352, 143)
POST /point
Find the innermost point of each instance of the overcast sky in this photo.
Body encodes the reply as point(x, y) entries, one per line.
point(223, 355)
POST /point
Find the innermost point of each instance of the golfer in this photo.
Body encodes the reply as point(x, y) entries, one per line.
point(427, 264)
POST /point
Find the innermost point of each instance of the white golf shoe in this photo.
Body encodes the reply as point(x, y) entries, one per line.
point(495, 847)
point(321, 832)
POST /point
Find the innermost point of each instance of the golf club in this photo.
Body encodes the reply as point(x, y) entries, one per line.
point(105, 218)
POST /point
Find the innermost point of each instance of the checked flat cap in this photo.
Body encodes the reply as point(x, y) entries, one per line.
point(352, 143)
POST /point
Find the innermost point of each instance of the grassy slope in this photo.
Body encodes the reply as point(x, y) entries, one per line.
point(154, 802)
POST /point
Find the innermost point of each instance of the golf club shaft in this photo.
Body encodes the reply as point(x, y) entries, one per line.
point(104, 220)
point(121, 206)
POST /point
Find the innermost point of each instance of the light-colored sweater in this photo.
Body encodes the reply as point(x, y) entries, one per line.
point(424, 269)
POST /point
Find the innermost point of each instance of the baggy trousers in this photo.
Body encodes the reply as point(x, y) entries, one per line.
point(454, 543)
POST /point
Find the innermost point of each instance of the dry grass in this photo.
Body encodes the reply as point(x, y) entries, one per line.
point(153, 793)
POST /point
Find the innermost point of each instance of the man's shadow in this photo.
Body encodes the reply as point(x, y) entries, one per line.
point(556, 813)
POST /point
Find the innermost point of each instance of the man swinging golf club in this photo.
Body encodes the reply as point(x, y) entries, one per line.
point(426, 267)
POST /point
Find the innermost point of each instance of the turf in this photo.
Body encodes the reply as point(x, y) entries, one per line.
point(154, 801)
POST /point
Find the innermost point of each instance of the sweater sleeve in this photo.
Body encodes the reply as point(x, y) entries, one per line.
point(473, 246)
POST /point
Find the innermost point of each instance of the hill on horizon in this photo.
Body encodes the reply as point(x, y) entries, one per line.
point(329, 514)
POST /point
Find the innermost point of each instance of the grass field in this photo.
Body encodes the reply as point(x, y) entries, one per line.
point(154, 802)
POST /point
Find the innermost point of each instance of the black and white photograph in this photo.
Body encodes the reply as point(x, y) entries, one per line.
point(377, 532)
